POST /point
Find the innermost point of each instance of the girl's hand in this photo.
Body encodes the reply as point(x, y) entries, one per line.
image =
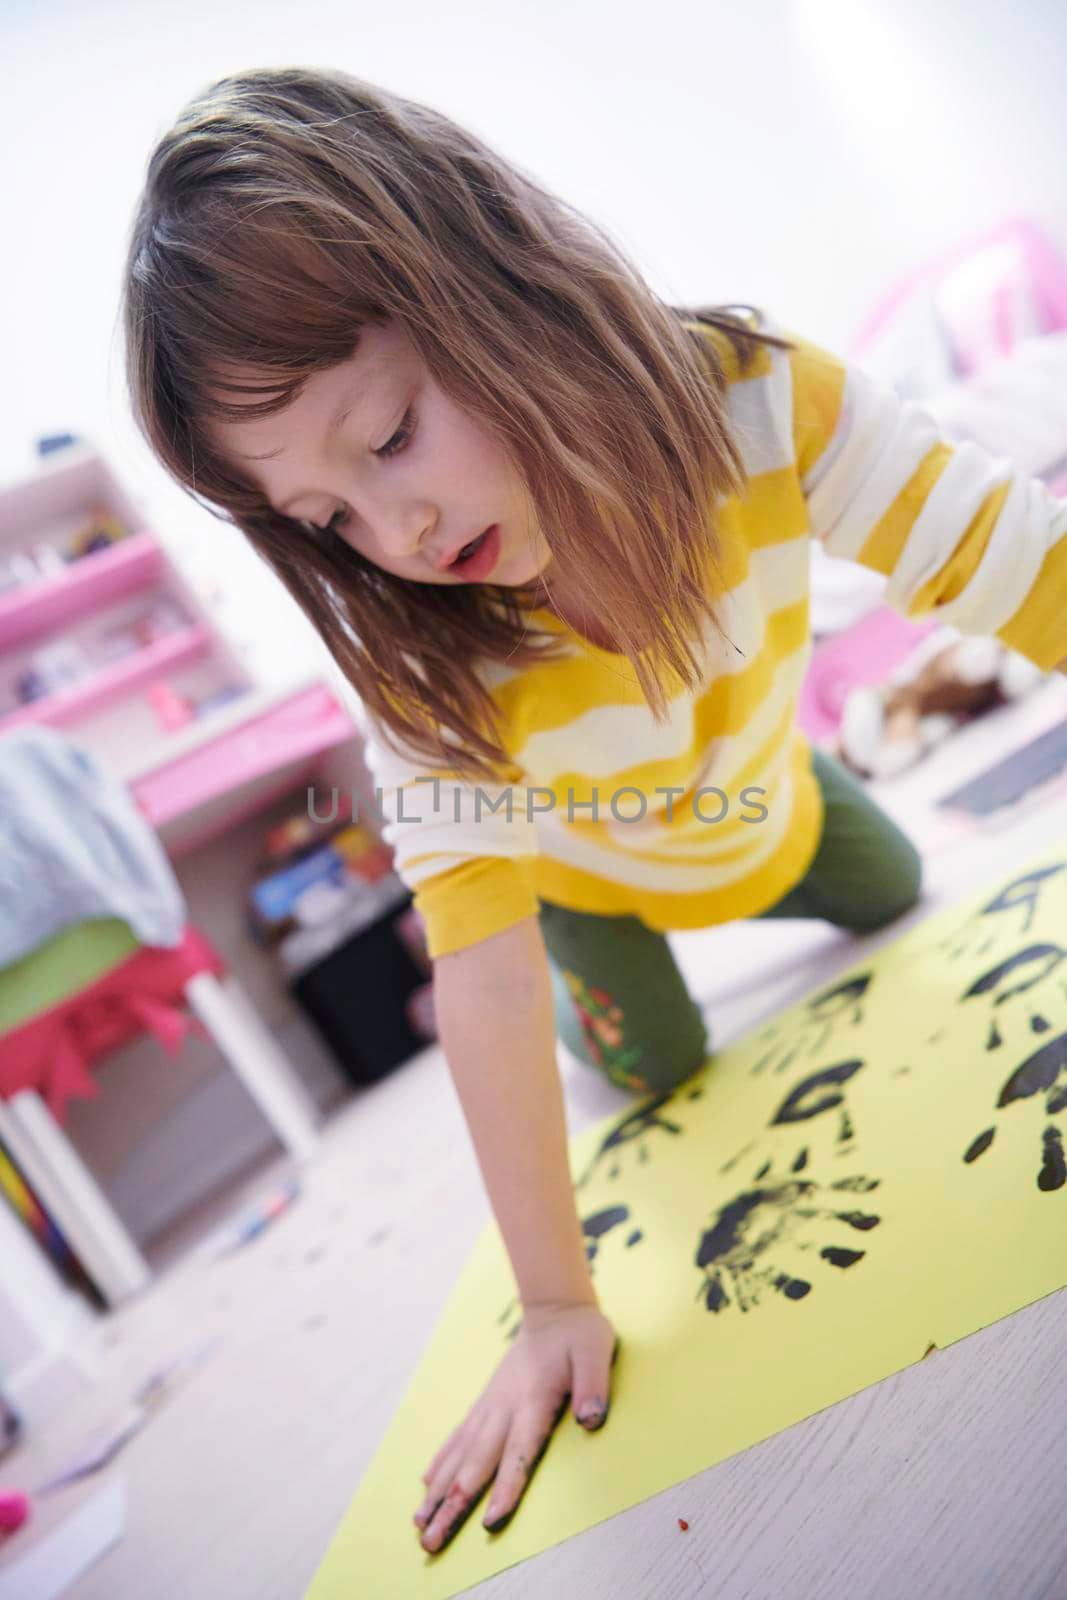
point(560, 1351)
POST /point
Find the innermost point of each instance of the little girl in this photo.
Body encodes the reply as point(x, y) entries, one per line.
point(556, 535)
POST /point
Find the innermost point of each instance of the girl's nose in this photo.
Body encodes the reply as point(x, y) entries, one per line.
point(405, 532)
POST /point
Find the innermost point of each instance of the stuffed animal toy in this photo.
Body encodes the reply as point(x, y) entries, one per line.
point(946, 681)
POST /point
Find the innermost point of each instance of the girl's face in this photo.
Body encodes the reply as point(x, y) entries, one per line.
point(376, 451)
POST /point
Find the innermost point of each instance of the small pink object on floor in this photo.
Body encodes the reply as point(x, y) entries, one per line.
point(14, 1510)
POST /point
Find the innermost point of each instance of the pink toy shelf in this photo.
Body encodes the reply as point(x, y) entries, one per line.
point(297, 729)
point(93, 615)
point(982, 296)
point(51, 600)
point(101, 635)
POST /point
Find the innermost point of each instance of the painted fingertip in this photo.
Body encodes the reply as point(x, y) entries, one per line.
point(434, 1543)
point(426, 1513)
point(498, 1522)
point(451, 1531)
point(592, 1414)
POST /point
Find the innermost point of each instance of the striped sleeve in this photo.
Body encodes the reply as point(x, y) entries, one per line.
point(460, 847)
point(958, 533)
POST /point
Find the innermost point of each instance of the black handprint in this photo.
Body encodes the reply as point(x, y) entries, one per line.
point(994, 920)
point(811, 1032)
point(634, 1129)
point(1038, 1074)
point(755, 1227)
point(814, 1096)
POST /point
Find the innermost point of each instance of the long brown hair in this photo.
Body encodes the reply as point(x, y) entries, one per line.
point(285, 210)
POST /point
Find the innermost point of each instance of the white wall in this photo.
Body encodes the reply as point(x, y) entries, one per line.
point(795, 152)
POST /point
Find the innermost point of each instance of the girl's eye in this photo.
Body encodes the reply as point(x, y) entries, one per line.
point(401, 438)
point(392, 447)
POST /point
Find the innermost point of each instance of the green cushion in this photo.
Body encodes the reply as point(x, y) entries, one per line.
point(61, 966)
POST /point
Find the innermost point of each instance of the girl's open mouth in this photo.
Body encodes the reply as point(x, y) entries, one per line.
point(477, 559)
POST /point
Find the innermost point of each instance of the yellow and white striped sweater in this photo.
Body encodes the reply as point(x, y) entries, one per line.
point(726, 811)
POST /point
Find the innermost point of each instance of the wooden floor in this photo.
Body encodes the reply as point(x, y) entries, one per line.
point(944, 1481)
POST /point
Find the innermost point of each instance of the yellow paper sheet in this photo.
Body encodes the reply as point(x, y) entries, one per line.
point(879, 1169)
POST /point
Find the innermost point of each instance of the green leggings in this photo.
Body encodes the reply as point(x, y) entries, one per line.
point(621, 1003)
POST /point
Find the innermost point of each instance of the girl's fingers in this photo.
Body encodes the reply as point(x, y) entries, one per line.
point(451, 1514)
point(446, 1449)
point(590, 1384)
point(473, 1477)
point(526, 1443)
point(437, 1487)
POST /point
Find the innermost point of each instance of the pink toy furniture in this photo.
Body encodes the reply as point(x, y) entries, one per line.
point(1009, 283)
point(191, 781)
point(142, 643)
point(102, 989)
point(863, 654)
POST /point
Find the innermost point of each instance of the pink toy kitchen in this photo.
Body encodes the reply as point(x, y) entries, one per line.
point(299, 973)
